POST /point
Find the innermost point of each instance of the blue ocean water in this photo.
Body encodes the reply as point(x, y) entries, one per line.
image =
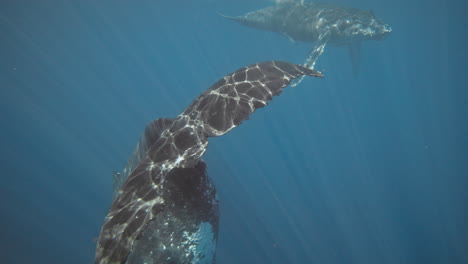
point(366, 169)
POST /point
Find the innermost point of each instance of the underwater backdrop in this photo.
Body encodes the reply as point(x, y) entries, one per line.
point(370, 168)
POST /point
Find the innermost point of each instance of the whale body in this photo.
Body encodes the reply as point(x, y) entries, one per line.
point(165, 210)
point(319, 24)
point(307, 21)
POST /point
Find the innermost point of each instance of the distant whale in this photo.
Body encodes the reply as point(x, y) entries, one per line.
point(318, 23)
point(165, 210)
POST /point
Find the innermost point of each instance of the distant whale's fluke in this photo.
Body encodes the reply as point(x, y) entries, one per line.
point(321, 24)
point(166, 210)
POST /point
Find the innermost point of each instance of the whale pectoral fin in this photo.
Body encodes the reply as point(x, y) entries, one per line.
point(355, 54)
point(289, 37)
point(314, 54)
point(317, 50)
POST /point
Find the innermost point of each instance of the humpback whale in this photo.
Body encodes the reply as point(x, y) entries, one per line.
point(165, 210)
point(320, 24)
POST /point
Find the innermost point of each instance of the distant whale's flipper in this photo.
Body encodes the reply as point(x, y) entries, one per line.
point(314, 54)
point(166, 190)
point(289, 37)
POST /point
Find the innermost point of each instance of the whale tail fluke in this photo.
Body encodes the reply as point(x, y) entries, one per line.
point(165, 179)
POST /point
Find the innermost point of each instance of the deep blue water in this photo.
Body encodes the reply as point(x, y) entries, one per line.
point(371, 169)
